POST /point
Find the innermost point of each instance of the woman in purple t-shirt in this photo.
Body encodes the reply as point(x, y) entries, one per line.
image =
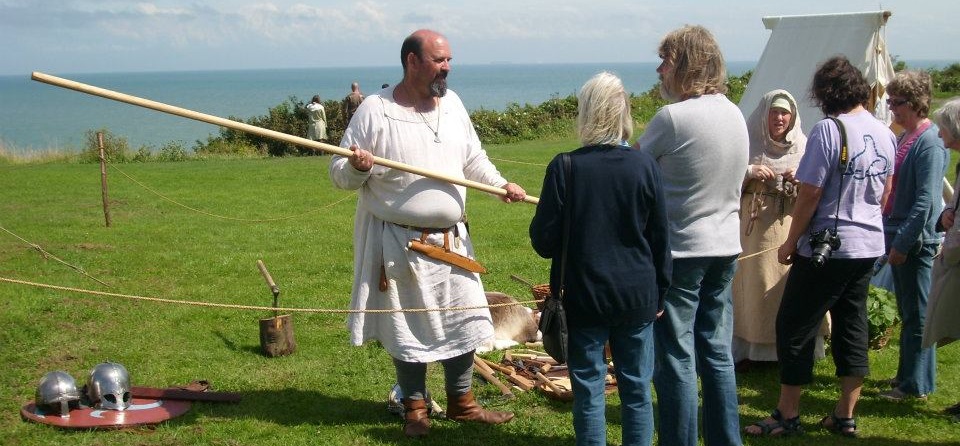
point(834, 239)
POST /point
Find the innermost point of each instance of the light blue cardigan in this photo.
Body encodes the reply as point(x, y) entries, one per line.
point(917, 201)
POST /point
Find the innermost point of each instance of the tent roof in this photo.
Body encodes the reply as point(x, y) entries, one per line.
point(798, 44)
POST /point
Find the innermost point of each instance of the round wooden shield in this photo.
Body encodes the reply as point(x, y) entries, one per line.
point(140, 412)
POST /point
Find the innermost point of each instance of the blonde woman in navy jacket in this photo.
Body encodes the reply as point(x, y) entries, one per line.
point(618, 261)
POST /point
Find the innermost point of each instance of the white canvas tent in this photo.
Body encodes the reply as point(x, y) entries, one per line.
point(798, 44)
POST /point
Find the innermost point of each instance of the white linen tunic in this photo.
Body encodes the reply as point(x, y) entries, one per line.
point(388, 198)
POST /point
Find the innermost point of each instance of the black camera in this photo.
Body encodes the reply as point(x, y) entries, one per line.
point(823, 243)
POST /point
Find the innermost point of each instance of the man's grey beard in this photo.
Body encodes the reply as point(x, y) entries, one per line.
point(438, 88)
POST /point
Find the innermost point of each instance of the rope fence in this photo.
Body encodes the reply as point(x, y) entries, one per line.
point(238, 306)
point(46, 254)
point(745, 257)
point(80, 270)
point(256, 307)
point(517, 162)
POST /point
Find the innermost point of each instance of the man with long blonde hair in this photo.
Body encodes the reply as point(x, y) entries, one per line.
point(701, 144)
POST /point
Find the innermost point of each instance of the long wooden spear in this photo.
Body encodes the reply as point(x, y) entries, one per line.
point(210, 119)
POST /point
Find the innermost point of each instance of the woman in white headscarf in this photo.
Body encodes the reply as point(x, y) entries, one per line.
point(766, 203)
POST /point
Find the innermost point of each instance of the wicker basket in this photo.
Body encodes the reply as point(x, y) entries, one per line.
point(540, 292)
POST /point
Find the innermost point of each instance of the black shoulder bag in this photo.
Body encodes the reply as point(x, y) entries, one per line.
point(553, 318)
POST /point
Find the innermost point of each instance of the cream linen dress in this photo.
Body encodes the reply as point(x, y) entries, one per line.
point(765, 217)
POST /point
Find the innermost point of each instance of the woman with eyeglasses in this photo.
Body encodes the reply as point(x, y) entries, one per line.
point(909, 224)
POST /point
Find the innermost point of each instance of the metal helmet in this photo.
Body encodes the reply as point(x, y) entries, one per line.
point(57, 393)
point(109, 386)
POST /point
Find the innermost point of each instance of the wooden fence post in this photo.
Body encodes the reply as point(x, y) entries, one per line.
point(103, 180)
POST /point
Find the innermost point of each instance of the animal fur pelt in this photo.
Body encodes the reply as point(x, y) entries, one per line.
point(512, 325)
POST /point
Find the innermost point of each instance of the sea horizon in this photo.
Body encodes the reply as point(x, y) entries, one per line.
point(37, 116)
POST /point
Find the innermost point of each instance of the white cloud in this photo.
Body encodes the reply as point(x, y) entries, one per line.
point(188, 34)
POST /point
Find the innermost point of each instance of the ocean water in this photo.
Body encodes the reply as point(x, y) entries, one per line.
point(35, 115)
point(38, 116)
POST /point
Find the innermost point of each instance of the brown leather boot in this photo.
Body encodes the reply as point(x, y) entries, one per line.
point(465, 408)
point(416, 420)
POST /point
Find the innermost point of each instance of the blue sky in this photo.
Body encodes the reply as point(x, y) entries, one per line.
point(78, 36)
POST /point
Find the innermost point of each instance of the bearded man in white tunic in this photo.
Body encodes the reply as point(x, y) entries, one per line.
point(421, 123)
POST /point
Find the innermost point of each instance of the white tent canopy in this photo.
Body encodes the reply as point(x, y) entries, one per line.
point(798, 44)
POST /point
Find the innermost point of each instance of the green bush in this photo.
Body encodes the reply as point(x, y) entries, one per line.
point(144, 154)
point(881, 315)
point(289, 117)
point(115, 147)
point(947, 80)
point(520, 123)
point(737, 85)
point(564, 108)
point(219, 147)
point(172, 151)
point(336, 121)
point(645, 105)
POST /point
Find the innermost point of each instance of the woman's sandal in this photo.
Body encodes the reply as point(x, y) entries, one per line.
point(788, 426)
point(841, 426)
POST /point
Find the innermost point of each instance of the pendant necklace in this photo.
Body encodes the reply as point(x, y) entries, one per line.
point(436, 132)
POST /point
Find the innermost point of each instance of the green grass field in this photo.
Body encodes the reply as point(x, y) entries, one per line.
point(328, 392)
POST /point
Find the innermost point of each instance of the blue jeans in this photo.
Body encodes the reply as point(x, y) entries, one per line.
point(917, 367)
point(693, 338)
point(632, 350)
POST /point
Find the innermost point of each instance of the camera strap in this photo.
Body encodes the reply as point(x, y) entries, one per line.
point(844, 158)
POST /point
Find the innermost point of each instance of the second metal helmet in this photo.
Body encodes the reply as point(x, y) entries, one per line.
point(109, 386)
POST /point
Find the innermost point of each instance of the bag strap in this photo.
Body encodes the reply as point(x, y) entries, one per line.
point(565, 157)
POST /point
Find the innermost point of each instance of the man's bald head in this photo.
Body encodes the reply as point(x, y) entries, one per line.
point(414, 44)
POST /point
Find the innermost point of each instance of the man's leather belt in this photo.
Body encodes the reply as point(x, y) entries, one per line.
point(427, 230)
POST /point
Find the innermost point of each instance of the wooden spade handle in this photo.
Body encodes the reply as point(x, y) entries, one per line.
point(266, 276)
